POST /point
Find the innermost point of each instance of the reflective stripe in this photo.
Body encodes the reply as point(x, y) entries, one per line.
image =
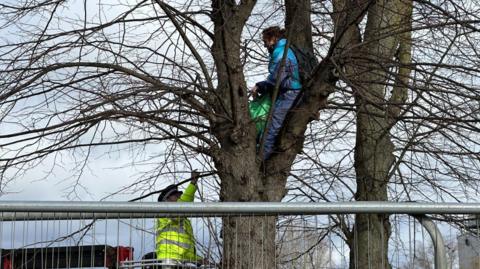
point(173, 228)
point(171, 242)
point(179, 230)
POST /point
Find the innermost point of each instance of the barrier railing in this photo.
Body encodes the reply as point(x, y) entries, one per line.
point(41, 235)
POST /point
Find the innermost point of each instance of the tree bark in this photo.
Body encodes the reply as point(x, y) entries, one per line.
point(384, 43)
point(248, 242)
point(298, 23)
point(373, 160)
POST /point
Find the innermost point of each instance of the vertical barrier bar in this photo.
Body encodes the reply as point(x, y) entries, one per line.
point(437, 239)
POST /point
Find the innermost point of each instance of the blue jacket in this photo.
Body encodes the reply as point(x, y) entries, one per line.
point(289, 75)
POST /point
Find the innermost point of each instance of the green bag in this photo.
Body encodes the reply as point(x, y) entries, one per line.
point(259, 109)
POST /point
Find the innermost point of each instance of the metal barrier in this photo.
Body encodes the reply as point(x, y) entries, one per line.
point(41, 235)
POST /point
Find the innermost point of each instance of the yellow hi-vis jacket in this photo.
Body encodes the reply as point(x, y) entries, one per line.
point(175, 238)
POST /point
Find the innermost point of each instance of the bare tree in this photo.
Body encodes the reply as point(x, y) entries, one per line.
point(397, 85)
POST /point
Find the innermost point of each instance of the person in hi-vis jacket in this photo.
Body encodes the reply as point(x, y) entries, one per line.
point(174, 235)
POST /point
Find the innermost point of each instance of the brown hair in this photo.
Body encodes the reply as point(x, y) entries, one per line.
point(273, 32)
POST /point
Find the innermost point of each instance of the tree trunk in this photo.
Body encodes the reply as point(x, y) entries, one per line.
point(373, 160)
point(298, 23)
point(249, 242)
point(384, 44)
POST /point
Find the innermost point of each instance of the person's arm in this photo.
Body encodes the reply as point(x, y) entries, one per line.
point(269, 83)
point(262, 87)
point(189, 193)
point(274, 66)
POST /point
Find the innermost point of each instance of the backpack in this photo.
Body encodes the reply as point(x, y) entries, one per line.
point(306, 63)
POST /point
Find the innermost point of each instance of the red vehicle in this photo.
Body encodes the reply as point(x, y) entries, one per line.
point(65, 257)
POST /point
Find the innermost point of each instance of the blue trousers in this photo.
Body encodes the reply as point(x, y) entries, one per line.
point(284, 102)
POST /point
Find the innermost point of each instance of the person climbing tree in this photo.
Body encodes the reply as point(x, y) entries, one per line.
point(287, 74)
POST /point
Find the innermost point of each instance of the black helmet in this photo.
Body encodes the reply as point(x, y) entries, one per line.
point(172, 189)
